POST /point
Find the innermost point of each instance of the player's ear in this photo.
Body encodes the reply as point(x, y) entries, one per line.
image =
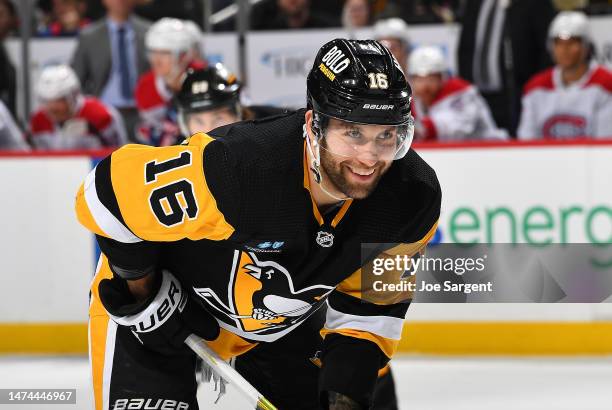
point(308, 116)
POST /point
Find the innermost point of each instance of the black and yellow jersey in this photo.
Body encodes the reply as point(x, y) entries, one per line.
point(232, 217)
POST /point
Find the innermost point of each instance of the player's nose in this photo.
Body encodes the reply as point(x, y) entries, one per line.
point(367, 161)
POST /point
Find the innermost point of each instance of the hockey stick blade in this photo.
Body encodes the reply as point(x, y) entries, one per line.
point(198, 345)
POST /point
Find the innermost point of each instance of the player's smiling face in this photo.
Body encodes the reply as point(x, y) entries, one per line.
point(353, 156)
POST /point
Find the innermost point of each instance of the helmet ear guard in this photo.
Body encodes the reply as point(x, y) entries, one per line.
point(318, 126)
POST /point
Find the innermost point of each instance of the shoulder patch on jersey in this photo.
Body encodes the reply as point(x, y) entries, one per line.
point(601, 77)
point(451, 86)
point(146, 94)
point(542, 80)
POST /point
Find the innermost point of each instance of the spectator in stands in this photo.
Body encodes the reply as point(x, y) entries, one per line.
point(503, 44)
point(393, 34)
point(289, 14)
point(11, 137)
point(8, 75)
point(179, 9)
point(423, 11)
point(110, 57)
point(66, 19)
point(573, 99)
point(599, 7)
point(69, 120)
point(447, 108)
point(356, 14)
point(170, 46)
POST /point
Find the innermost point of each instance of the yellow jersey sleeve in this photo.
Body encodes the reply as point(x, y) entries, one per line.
point(153, 194)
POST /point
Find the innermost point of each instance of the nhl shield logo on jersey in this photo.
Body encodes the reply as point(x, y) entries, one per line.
point(261, 299)
point(325, 239)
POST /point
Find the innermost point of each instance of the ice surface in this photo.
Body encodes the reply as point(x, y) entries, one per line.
point(423, 383)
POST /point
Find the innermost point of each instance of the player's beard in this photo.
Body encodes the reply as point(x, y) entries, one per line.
point(338, 174)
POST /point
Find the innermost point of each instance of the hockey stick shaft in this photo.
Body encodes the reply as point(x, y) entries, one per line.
point(198, 345)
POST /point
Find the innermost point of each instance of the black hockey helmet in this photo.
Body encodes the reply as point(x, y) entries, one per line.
point(208, 88)
point(359, 81)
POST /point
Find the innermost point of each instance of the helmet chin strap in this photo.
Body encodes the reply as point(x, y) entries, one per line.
point(315, 166)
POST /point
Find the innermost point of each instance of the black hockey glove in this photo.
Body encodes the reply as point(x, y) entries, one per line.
point(349, 372)
point(163, 321)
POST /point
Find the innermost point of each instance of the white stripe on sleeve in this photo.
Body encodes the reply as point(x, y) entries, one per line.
point(103, 217)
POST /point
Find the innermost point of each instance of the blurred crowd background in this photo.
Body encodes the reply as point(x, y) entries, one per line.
point(526, 69)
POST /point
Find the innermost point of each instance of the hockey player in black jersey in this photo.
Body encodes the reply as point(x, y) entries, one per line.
point(210, 98)
point(190, 233)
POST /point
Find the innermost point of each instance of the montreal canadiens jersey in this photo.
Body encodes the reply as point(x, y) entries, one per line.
point(95, 125)
point(232, 218)
point(458, 113)
point(554, 110)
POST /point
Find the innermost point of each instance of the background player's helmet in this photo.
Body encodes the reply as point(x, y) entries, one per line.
point(207, 89)
point(57, 82)
point(393, 27)
point(169, 34)
point(359, 81)
point(426, 60)
point(570, 24)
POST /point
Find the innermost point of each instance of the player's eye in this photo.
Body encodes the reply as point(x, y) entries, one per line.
point(353, 133)
point(386, 135)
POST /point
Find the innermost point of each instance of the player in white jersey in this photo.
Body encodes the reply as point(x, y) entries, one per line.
point(447, 108)
point(67, 119)
point(574, 98)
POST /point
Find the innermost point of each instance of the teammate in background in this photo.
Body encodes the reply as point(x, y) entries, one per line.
point(393, 34)
point(210, 98)
point(274, 212)
point(447, 108)
point(170, 44)
point(69, 120)
point(11, 137)
point(574, 98)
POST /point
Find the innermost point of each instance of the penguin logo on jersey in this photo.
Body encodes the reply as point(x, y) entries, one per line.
point(261, 297)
